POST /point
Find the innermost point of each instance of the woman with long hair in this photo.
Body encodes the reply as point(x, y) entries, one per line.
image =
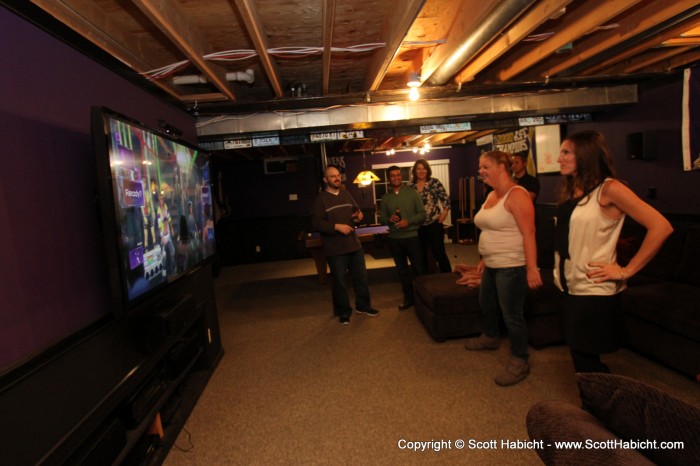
point(437, 207)
point(592, 207)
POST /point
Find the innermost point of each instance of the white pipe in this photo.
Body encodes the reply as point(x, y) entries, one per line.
point(247, 76)
point(189, 79)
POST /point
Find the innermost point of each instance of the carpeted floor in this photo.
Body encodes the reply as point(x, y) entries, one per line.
point(296, 387)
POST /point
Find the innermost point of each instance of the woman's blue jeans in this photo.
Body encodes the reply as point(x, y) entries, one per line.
point(503, 291)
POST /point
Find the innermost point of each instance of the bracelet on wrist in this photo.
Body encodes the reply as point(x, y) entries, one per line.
point(622, 274)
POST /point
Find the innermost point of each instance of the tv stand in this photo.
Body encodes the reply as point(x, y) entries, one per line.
point(121, 395)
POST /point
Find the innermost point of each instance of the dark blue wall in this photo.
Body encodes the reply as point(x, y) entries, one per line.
point(52, 268)
point(659, 110)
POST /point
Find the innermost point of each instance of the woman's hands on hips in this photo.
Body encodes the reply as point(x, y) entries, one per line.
point(602, 272)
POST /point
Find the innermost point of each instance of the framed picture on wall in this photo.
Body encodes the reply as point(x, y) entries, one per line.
point(547, 142)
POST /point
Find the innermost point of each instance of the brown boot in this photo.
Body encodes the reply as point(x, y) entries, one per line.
point(483, 343)
point(515, 371)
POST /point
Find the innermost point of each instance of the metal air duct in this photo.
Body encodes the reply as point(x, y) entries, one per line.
point(494, 23)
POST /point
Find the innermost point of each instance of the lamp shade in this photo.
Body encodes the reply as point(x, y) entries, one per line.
point(365, 178)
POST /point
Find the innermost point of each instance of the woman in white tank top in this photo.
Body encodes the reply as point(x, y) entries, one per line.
point(593, 205)
point(508, 263)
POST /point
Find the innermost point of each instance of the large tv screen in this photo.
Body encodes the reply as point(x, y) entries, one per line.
point(156, 202)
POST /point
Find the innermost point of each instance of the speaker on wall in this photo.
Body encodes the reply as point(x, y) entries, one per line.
point(641, 145)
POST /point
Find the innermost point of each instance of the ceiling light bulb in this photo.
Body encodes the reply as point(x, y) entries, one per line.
point(413, 94)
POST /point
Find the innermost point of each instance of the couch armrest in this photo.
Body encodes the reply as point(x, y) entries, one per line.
point(559, 421)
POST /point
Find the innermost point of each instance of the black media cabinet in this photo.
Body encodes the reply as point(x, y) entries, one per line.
point(121, 395)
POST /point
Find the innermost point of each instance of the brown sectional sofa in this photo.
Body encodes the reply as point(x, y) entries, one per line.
point(448, 310)
point(662, 302)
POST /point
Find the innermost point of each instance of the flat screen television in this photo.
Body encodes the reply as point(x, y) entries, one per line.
point(156, 203)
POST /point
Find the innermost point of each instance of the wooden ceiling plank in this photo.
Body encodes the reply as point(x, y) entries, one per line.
point(467, 18)
point(255, 30)
point(681, 42)
point(589, 16)
point(634, 24)
point(171, 19)
point(534, 18)
point(93, 23)
point(439, 139)
point(654, 41)
point(659, 56)
point(454, 137)
point(682, 61)
point(201, 98)
point(328, 21)
point(394, 30)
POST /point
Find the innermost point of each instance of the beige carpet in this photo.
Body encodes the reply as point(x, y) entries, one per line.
point(296, 387)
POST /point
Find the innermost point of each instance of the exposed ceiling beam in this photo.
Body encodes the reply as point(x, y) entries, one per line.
point(589, 16)
point(535, 17)
point(464, 20)
point(479, 134)
point(109, 36)
point(664, 55)
point(172, 20)
point(328, 21)
point(454, 137)
point(681, 42)
point(681, 61)
point(210, 97)
point(394, 31)
point(636, 23)
point(257, 35)
point(653, 40)
point(467, 39)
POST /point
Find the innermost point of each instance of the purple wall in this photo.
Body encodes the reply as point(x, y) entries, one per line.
point(658, 110)
point(253, 194)
point(463, 163)
point(52, 268)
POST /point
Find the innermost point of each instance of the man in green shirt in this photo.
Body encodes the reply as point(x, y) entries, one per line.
point(402, 209)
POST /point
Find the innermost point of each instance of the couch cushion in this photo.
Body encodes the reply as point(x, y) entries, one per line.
point(558, 421)
point(672, 306)
point(544, 300)
point(636, 411)
point(688, 270)
point(665, 262)
point(443, 296)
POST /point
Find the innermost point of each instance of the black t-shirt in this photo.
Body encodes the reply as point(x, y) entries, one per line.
point(530, 183)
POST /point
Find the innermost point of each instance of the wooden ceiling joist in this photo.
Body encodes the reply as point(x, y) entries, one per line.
point(591, 14)
point(257, 35)
point(169, 17)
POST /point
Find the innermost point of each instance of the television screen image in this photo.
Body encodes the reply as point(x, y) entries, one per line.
point(162, 203)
